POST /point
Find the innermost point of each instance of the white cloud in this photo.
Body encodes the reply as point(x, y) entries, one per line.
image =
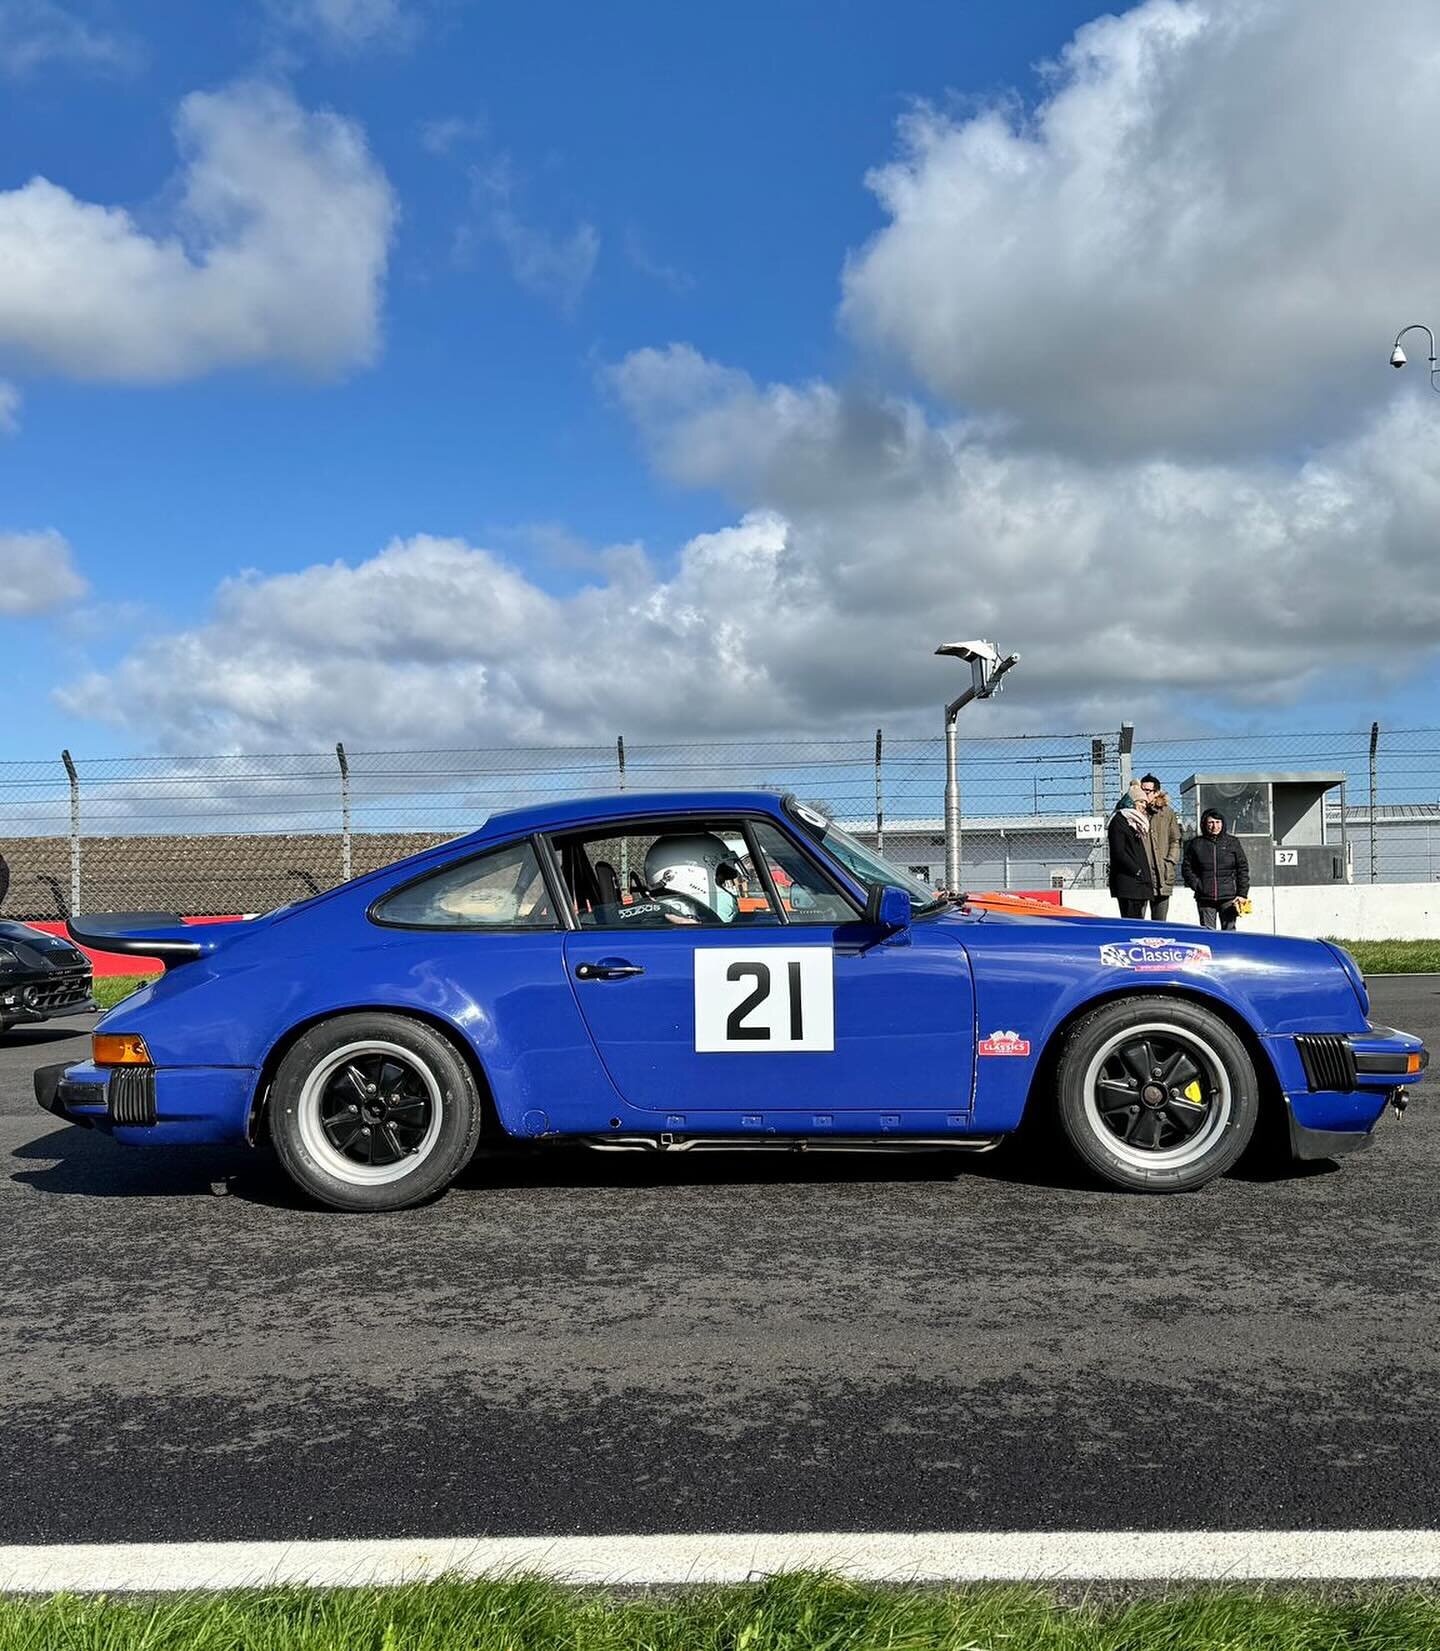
point(1206, 237)
point(642, 259)
point(551, 266)
point(37, 574)
point(448, 132)
point(277, 254)
point(433, 640)
point(867, 535)
point(36, 33)
point(9, 408)
point(349, 25)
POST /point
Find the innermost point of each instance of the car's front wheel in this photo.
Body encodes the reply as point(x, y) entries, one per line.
point(374, 1112)
point(1156, 1094)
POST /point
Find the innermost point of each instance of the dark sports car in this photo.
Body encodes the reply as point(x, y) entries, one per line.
point(40, 975)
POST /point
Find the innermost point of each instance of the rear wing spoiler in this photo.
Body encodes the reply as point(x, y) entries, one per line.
point(159, 934)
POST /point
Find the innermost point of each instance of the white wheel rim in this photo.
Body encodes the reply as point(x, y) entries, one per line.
point(1193, 1148)
point(313, 1117)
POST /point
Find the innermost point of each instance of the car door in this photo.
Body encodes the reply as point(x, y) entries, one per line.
point(802, 1011)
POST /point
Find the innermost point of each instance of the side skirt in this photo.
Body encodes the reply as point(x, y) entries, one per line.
point(782, 1143)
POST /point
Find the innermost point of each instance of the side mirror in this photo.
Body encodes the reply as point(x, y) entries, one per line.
point(888, 908)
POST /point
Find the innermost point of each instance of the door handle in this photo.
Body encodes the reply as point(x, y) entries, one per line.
point(608, 968)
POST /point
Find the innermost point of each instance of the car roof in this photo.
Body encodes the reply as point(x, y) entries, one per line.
point(627, 805)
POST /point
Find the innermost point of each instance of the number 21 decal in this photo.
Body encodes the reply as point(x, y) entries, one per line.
point(766, 1000)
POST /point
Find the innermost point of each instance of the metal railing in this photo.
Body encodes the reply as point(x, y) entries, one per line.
point(218, 835)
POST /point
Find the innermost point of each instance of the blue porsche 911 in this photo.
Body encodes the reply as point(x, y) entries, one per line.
point(719, 969)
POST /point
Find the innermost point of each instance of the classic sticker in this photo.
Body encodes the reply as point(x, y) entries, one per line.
point(764, 1000)
point(1148, 952)
point(1004, 1043)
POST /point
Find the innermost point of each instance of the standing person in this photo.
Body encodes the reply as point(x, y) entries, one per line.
point(1132, 877)
point(1216, 870)
point(1162, 844)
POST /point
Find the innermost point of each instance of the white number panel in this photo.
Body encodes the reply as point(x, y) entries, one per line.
point(1287, 856)
point(764, 1000)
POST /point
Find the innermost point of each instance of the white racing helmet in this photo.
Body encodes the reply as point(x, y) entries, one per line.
point(697, 865)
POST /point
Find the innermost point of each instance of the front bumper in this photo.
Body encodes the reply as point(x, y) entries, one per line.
point(1338, 1084)
point(42, 994)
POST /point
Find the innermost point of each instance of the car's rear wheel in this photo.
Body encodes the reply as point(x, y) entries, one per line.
point(1156, 1094)
point(374, 1112)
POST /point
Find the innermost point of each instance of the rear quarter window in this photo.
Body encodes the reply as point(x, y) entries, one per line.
point(503, 889)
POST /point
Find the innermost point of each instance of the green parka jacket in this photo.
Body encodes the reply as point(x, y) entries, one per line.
point(1162, 844)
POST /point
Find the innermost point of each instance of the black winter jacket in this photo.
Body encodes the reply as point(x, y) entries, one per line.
point(1132, 877)
point(1215, 868)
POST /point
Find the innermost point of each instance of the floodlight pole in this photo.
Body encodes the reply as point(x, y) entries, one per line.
point(986, 669)
point(952, 795)
point(1397, 355)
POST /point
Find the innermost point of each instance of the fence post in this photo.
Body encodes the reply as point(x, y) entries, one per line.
point(345, 864)
point(1127, 745)
point(74, 778)
point(879, 793)
point(624, 841)
point(1374, 773)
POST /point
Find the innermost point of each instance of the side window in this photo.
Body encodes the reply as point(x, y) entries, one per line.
point(660, 875)
point(807, 894)
point(500, 890)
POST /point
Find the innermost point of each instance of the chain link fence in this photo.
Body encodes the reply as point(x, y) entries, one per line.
point(209, 836)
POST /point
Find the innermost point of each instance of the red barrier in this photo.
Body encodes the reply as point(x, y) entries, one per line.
point(119, 963)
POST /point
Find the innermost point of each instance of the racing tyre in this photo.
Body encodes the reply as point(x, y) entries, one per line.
point(374, 1112)
point(1156, 1094)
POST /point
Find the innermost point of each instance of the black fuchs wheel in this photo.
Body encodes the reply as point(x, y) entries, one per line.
point(374, 1111)
point(1156, 1094)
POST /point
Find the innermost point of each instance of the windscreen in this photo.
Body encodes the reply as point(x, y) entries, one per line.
point(870, 868)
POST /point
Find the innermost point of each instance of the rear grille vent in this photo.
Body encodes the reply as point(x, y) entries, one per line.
point(130, 1095)
point(1328, 1059)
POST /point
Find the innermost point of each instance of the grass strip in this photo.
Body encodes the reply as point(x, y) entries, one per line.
point(1394, 957)
point(797, 1612)
point(111, 989)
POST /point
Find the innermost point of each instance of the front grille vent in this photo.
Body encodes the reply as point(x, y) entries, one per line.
point(130, 1095)
point(1328, 1059)
point(58, 994)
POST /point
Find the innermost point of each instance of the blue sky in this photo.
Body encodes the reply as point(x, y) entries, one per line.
point(574, 191)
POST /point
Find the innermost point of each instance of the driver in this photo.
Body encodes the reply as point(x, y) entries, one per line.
point(701, 870)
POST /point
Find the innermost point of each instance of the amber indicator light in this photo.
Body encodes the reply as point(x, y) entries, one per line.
point(121, 1049)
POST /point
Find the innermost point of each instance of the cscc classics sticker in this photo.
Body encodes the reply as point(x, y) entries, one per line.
point(1004, 1043)
point(1150, 952)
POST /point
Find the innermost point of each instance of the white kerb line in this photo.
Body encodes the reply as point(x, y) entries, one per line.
point(879, 1557)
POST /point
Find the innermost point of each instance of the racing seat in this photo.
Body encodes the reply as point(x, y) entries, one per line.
point(608, 883)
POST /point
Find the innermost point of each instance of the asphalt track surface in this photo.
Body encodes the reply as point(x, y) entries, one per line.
point(576, 1343)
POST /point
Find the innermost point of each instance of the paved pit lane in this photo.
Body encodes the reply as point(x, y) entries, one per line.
point(574, 1343)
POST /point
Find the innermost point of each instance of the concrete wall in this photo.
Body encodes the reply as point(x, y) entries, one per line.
point(1345, 911)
